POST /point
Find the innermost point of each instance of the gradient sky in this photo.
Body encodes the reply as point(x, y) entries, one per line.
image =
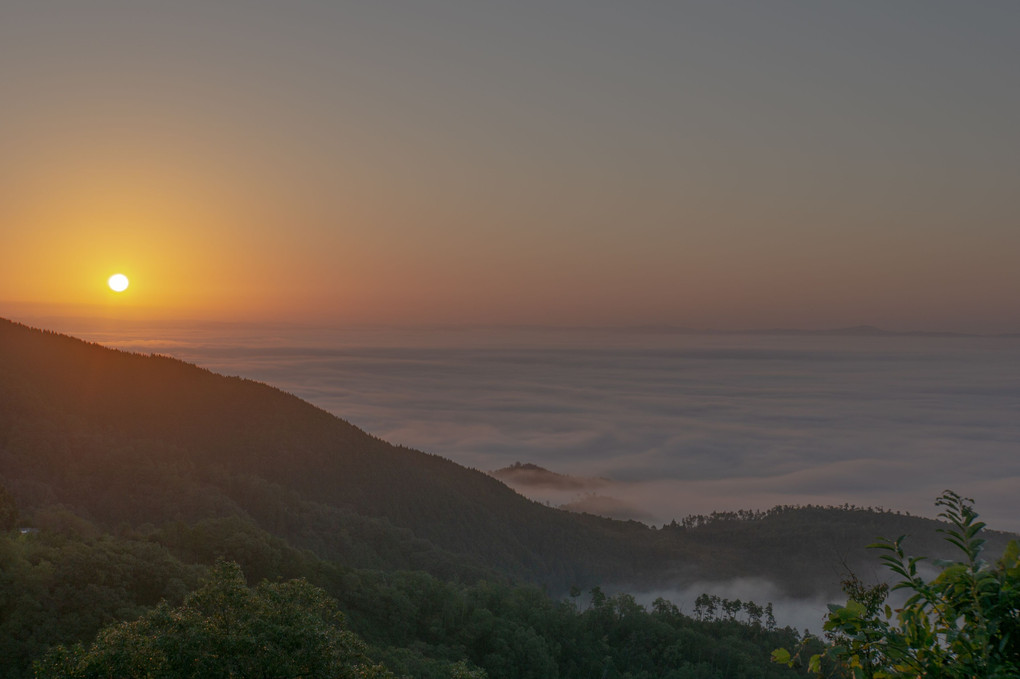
point(707, 164)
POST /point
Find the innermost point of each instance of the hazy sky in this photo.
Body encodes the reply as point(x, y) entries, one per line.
point(709, 164)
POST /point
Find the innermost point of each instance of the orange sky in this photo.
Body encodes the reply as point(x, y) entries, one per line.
point(693, 166)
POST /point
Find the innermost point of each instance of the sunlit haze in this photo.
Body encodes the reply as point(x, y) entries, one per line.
point(710, 165)
point(271, 177)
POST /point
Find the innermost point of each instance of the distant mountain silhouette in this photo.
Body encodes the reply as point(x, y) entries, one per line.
point(123, 439)
point(852, 331)
point(857, 331)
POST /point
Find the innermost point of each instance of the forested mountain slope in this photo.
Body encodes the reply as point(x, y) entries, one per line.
point(124, 439)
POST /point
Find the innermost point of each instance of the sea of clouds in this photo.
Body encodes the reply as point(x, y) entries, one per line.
point(681, 423)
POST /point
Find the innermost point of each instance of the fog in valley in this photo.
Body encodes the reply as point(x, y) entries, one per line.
point(671, 423)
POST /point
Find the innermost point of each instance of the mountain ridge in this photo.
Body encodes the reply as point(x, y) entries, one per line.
point(118, 437)
point(131, 420)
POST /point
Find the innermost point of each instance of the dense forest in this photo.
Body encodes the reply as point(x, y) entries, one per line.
point(66, 581)
point(127, 478)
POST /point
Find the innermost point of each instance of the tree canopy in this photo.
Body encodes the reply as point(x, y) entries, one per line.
point(225, 630)
point(963, 623)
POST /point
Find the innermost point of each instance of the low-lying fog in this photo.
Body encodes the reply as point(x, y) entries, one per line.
point(680, 423)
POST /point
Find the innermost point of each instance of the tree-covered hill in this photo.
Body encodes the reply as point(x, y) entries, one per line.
point(124, 478)
point(129, 440)
point(120, 437)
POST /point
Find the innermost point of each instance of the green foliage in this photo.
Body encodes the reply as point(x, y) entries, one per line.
point(62, 588)
point(224, 630)
point(68, 583)
point(517, 631)
point(963, 623)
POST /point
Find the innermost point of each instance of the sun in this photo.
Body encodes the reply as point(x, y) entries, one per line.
point(118, 282)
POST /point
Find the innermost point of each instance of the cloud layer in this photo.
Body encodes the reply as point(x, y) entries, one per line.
point(683, 423)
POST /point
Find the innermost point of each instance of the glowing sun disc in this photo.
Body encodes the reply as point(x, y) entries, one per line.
point(118, 282)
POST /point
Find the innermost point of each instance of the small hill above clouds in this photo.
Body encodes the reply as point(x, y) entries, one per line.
point(532, 476)
point(152, 443)
point(580, 494)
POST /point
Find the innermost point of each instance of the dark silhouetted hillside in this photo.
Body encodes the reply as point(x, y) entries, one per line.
point(128, 440)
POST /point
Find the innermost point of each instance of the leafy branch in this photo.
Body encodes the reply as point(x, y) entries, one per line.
point(963, 623)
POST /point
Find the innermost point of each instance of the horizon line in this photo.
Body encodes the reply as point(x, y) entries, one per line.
point(860, 330)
